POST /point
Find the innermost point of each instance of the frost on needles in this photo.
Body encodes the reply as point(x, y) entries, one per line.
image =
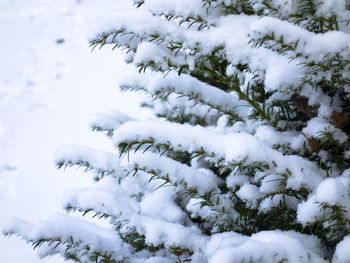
point(247, 158)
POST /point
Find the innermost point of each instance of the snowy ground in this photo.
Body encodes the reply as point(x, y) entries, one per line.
point(50, 84)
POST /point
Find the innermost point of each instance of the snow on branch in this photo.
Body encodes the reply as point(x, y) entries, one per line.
point(233, 147)
point(292, 37)
point(101, 162)
point(100, 202)
point(268, 246)
point(175, 172)
point(108, 122)
point(161, 86)
point(75, 236)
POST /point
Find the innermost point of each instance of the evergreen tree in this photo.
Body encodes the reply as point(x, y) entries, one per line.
point(247, 158)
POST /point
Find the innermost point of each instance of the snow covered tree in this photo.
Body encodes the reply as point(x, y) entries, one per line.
point(247, 158)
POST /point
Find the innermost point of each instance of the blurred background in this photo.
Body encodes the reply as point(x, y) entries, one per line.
point(50, 85)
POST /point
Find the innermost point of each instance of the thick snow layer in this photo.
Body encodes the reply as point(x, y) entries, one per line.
point(170, 234)
point(108, 122)
point(196, 210)
point(316, 126)
point(180, 7)
point(268, 246)
point(232, 147)
point(87, 157)
point(342, 252)
point(138, 21)
point(249, 193)
point(156, 216)
point(316, 46)
point(102, 201)
point(155, 83)
point(331, 192)
point(177, 172)
point(160, 204)
point(271, 137)
point(68, 228)
point(333, 7)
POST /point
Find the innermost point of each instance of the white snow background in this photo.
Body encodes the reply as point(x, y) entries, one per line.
point(50, 85)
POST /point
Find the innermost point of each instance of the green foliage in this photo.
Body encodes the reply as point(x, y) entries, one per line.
point(286, 110)
point(228, 211)
point(99, 172)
